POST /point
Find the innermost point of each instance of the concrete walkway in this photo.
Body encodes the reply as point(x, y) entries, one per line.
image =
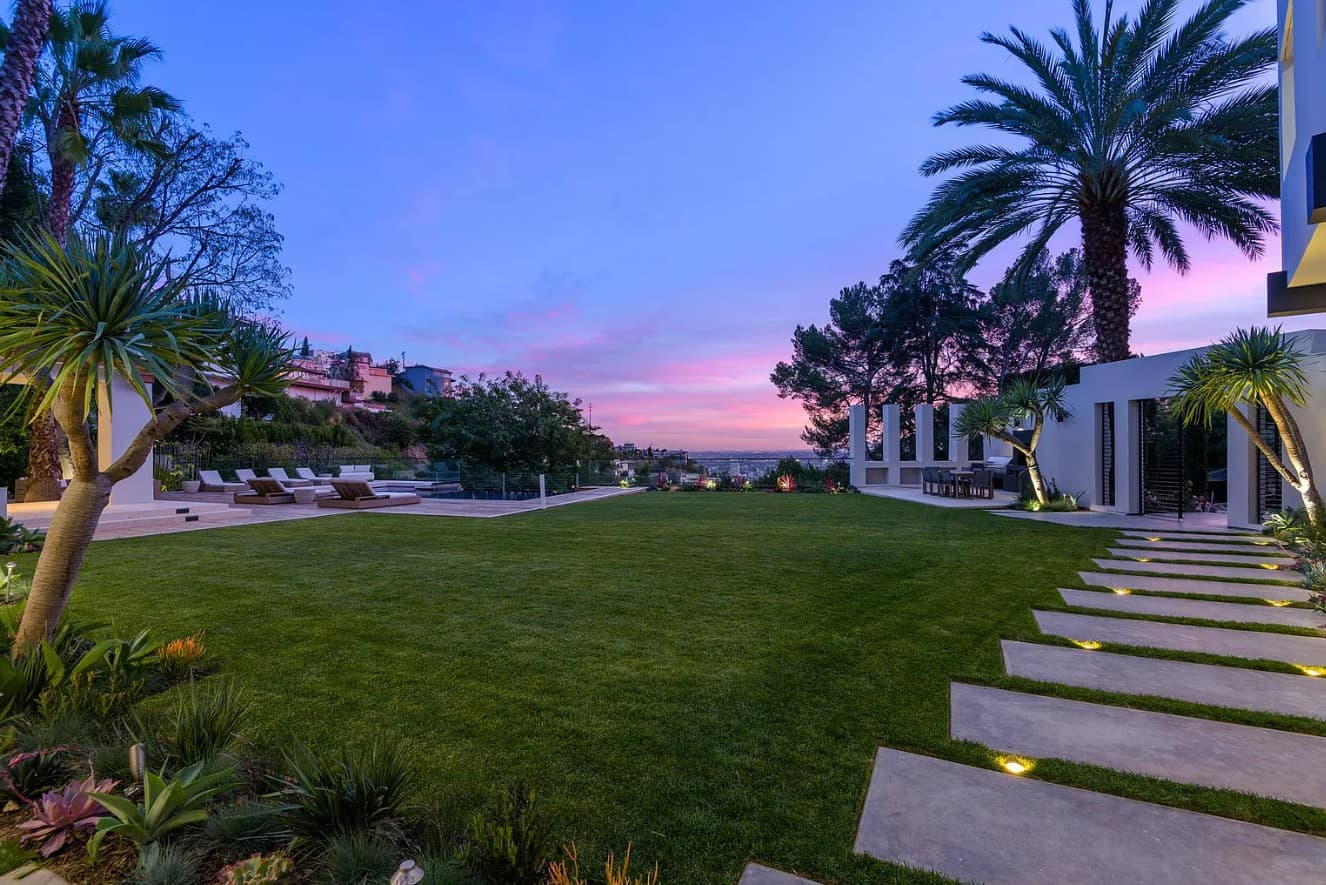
point(1248, 644)
point(979, 825)
point(755, 874)
point(1273, 574)
point(1191, 587)
point(1170, 607)
point(1156, 677)
point(1250, 559)
point(916, 496)
point(1143, 544)
point(1222, 755)
point(1204, 523)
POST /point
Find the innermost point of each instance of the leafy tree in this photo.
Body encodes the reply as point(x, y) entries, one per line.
point(936, 327)
point(511, 424)
point(201, 201)
point(1132, 126)
point(995, 415)
point(1257, 367)
point(22, 44)
point(851, 359)
point(104, 309)
point(304, 349)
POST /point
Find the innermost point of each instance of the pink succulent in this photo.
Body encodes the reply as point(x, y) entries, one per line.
point(56, 816)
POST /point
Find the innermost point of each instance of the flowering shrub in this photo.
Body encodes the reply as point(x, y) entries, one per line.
point(787, 483)
point(179, 657)
point(57, 816)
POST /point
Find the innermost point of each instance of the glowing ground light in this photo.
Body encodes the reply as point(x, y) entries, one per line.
point(1280, 603)
point(1143, 559)
point(1311, 671)
point(1270, 566)
point(1088, 644)
point(1121, 591)
point(1262, 543)
point(1153, 539)
point(1016, 764)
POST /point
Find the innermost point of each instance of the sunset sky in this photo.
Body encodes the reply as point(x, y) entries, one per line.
point(638, 201)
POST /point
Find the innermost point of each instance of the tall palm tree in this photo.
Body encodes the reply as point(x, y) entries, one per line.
point(22, 42)
point(1257, 367)
point(84, 312)
point(1132, 128)
point(88, 77)
point(92, 77)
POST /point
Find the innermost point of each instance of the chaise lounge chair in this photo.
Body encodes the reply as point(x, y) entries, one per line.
point(265, 490)
point(244, 474)
point(357, 494)
point(279, 474)
point(320, 479)
point(212, 482)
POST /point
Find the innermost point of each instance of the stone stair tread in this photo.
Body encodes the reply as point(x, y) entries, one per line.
point(1142, 554)
point(979, 825)
point(1179, 680)
point(1194, 586)
point(758, 874)
point(1204, 752)
point(1248, 644)
point(1201, 570)
point(1198, 537)
point(1167, 606)
point(1202, 547)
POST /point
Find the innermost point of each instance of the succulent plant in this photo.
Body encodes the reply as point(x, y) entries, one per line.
point(57, 816)
point(260, 869)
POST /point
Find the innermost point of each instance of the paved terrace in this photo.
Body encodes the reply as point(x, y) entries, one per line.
point(180, 512)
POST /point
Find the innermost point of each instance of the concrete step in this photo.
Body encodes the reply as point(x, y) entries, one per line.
point(1248, 644)
point(978, 825)
point(118, 527)
point(1169, 607)
point(1267, 549)
point(1141, 554)
point(1199, 537)
point(1222, 755)
point(1194, 586)
point(1178, 680)
point(756, 874)
point(1202, 570)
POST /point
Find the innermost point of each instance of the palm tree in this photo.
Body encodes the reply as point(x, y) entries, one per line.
point(22, 43)
point(1131, 129)
point(89, 76)
point(1254, 367)
point(1023, 398)
point(87, 311)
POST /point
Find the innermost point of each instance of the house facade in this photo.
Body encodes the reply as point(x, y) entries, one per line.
point(427, 380)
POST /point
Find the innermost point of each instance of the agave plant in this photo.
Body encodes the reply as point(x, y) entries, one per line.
point(57, 816)
point(18, 538)
point(166, 806)
point(260, 869)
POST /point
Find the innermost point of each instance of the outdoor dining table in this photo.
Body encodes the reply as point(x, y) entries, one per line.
point(962, 489)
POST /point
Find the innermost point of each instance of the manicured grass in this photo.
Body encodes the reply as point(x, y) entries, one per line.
point(705, 676)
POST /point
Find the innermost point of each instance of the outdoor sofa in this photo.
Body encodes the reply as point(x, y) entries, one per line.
point(356, 494)
point(356, 471)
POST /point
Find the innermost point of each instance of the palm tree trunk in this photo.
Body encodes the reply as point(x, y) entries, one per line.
point(1034, 474)
point(67, 541)
point(1105, 252)
point(27, 36)
point(1296, 453)
point(62, 199)
point(44, 471)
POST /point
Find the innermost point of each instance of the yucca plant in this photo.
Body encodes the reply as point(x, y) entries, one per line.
point(347, 791)
point(166, 806)
point(85, 312)
point(1250, 368)
point(1125, 127)
point(995, 415)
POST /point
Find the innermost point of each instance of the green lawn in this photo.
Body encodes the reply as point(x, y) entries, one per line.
point(705, 676)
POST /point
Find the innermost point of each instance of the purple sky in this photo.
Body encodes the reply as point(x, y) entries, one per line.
point(638, 201)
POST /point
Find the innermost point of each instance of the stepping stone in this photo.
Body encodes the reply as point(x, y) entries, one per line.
point(1179, 680)
point(1197, 546)
point(1200, 537)
point(1168, 607)
point(1249, 644)
point(1194, 586)
point(1136, 554)
point(755, 874)
point(1223, 755)
point(1187, 570)
point(979, 825)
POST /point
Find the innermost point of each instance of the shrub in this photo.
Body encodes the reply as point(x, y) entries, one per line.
point(29, 774)
point(58, 816)
point(348, 791)
point(511, 842)
point(442, 870)
point(205, 723)
point(260, 869)
point(165, 865)
point(180, 657)
point(166, 806)
point(358, 857)
point(567, 871)
point(17, 538)
point(246, 827)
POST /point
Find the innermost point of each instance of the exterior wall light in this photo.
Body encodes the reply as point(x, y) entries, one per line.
point(409, 873)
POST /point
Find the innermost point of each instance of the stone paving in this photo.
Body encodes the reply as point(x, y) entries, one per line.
point(1199, 570)
point(1247, 644)
point(1170, 607)
point(1143, 544)
point(755, 874)
point(1191, 587)
point(1139, 554)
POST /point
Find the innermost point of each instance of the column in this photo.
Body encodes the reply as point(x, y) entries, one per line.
point(1241, 473)
point(120, 415)
point(925, 433)
point(892, 433)
point(1127, 456)
point(856, 433)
